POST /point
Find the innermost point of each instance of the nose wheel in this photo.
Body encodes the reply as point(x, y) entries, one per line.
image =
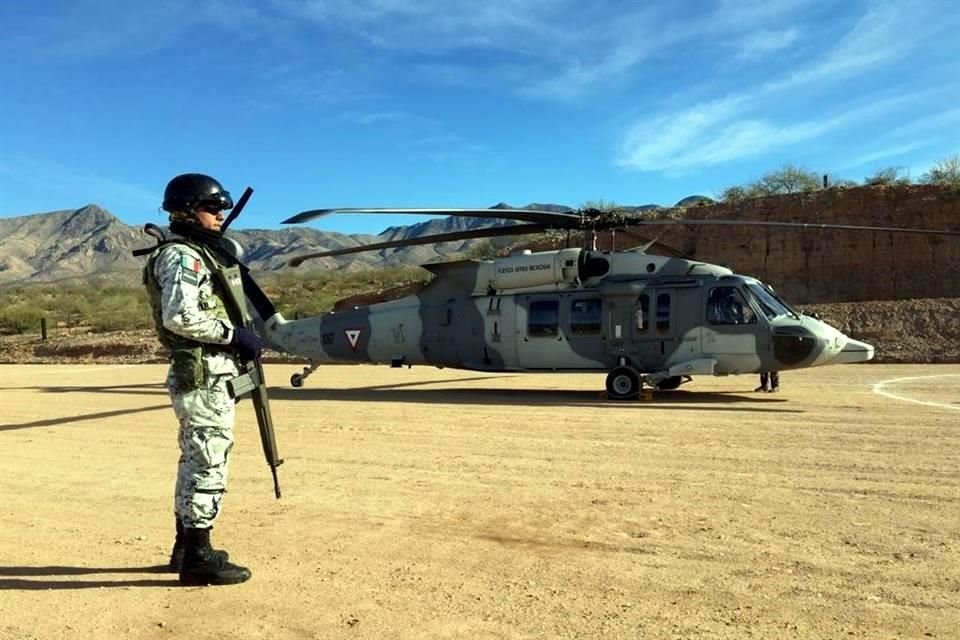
point(297, 379)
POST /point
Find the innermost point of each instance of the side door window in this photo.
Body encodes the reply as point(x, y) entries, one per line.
point(543, 319)
point(664, 311)
point(585, 317)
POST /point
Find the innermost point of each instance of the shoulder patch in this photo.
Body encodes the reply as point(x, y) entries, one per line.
point(189, 269)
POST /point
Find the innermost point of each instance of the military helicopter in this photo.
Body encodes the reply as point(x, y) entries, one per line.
point(640, 318)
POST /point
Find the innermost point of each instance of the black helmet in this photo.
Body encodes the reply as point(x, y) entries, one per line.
point(186, 192)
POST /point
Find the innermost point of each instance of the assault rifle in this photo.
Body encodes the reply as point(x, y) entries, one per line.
point(251, 379)
point(238, 287)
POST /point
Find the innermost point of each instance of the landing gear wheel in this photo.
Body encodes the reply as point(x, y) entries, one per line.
point(623, 383)
point(298, 379)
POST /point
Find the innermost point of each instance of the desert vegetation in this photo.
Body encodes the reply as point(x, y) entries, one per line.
point(790, 179)
point(98, 306)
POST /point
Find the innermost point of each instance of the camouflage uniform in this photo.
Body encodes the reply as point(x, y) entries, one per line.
point(193, 323)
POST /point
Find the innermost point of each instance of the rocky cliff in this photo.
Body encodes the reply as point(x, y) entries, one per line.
point(819, 265)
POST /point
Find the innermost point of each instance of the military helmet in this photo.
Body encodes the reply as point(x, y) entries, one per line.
point(188, 191)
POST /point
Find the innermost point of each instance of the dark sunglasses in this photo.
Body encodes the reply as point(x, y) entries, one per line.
point(216, 202)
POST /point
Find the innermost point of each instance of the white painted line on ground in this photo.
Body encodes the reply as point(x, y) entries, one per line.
point(879, 388)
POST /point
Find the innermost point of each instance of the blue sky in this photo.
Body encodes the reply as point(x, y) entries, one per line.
point(325, 103)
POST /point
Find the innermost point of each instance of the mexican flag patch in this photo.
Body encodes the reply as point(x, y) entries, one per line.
point(189, 270)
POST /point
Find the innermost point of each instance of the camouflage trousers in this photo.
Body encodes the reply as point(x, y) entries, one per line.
point(206, 417)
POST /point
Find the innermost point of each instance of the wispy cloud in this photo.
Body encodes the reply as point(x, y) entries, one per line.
point(375, 117)
point(743, 124)
point(765, 42)
point(85, 29)
point(721, 133)
point(601, 50)
point(868, 161)
point(701, 142)
point(926, 130)
point(877, 38)
point(439, 140)
point(429, 25)
point(659, 142)
point(620, 43)
point(553, 49)
point(740, 15)
point(937, 123)
point(540, 48)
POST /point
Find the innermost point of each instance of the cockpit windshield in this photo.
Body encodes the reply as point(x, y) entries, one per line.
point(771, 305)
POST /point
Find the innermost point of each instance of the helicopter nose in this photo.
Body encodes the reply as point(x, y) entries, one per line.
point(837, 348)
point(853, 351)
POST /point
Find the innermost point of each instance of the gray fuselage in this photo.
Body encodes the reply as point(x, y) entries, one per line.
point(577, 310)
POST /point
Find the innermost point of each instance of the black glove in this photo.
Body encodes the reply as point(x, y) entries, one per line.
point(246, 342)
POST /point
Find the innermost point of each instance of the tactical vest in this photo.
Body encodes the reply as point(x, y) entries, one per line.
point(186, 354)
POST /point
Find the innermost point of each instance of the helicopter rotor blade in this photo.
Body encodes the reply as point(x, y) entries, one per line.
point(560, 219)
point(587, 220)
point(762, 223)
point(488, 232)
point(600, 220)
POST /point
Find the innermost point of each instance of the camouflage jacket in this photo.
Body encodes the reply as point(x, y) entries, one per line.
point(189, 312)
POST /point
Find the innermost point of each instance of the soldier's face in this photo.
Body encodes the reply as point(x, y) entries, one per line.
point(210, 219)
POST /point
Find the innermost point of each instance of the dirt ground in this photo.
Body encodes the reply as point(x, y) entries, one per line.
point(423, 503)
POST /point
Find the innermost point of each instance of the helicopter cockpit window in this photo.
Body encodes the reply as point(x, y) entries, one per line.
point(543, 318)
point(726, 305)
point(770, 304)
point(585, 317)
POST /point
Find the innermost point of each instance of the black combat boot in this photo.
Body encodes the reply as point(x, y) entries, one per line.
point(179, 546)
point(202, 565)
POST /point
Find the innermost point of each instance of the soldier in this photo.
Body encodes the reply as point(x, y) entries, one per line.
point(769, 382)
point(194, 323)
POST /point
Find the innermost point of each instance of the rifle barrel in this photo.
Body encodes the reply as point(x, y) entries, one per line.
point(237, 208)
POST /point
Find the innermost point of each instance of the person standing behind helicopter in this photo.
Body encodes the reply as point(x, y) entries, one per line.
point(193, 321)
point(769, 382)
